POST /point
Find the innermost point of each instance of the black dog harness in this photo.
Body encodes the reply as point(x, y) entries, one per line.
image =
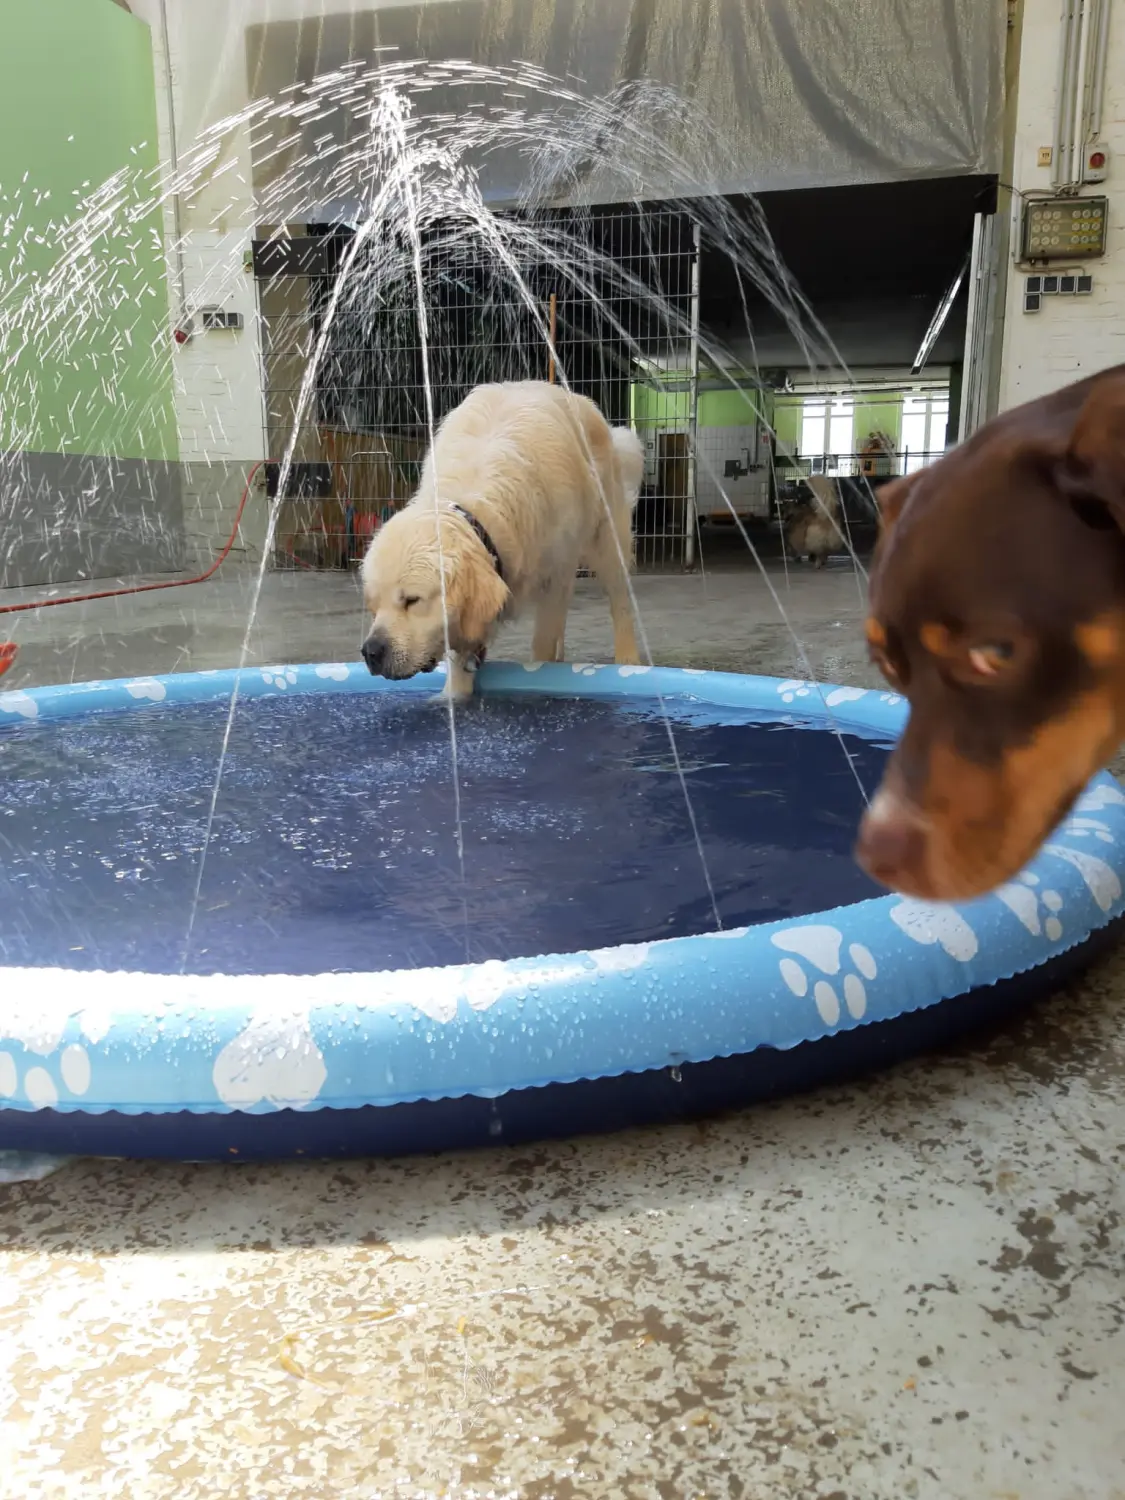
point(483, 537)
point(476, 661)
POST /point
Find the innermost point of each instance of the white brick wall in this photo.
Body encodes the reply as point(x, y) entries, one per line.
point(1071, 336)
point(218, 375)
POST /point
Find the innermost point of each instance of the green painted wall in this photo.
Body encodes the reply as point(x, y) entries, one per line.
point(87, 364)
point(730, 408)
point(787, 423)
point(653, 408)
point(881, 412)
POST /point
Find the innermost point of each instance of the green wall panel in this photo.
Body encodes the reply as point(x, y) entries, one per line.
point(86, 361)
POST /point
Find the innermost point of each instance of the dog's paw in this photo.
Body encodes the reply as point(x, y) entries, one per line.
point(458, 687)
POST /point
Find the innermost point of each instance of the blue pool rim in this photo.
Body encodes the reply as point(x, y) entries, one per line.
point(256, 1067)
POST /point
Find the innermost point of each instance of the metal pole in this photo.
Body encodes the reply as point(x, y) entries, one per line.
point(693, 430)
point(974, 316)
point(554, 308)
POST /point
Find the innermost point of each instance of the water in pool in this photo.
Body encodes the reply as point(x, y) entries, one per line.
point(333, 845)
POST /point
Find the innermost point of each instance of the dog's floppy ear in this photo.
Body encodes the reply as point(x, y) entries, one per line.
point(1093, 468)
point(477, 596)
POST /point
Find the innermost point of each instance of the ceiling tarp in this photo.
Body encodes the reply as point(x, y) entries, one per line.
point(708, 95)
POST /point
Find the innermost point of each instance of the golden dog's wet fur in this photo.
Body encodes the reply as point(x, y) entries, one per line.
point(553, 485)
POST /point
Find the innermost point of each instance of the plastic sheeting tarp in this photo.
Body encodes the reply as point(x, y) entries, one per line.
point(769, 94)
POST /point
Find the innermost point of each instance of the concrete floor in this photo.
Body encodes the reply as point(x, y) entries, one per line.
point(914, 1287)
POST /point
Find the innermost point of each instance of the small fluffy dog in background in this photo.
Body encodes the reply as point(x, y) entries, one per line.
point(814, 529)
point(525, 483)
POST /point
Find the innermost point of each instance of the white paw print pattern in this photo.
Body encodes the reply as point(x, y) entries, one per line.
point(927, 923)
point(1079, 827)
point(275, 1058)
point(282, 678)
point(333, 672)
point(1038, 910)
point(22, 704)
point(39, 1085)
point(584, 668)
point(795, 688)
point(147, 688)
point(1099, 878)
point(819, 945)
point(1097, 798)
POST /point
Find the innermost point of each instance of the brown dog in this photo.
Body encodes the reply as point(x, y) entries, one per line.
point(813, 530)
point(997, 607)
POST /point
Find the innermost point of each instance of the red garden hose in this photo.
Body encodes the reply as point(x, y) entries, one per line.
point(9, 650)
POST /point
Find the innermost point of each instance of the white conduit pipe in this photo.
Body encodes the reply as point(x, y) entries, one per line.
point(1101, 67)
point(1080, 88)
point(1064, 115)
point(174, 170)
point(1080, 96)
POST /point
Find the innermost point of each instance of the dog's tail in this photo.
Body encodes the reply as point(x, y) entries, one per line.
point(630, 461)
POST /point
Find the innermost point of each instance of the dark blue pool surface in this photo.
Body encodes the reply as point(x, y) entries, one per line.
point(334, 848)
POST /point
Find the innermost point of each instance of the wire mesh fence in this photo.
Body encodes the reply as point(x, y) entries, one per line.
point(358, 366)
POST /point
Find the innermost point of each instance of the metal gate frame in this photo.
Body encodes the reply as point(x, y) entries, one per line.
point(619, 292)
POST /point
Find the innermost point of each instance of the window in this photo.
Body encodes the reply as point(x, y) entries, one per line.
point(827, 428)
point(924, 422)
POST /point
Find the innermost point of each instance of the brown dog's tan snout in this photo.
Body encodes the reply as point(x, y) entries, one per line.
point(893, 844)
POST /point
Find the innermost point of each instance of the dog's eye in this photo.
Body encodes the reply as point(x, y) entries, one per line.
point(410, 601)
point(991, 657)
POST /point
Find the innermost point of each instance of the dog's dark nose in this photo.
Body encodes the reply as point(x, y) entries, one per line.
point(892, 843)
point(374, 653)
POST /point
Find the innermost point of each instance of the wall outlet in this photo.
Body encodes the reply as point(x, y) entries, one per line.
point(1045, 156)
point(215, 318)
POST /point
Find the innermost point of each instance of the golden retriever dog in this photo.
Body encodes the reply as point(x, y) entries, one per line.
point(814, 531)
point(525, 483)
